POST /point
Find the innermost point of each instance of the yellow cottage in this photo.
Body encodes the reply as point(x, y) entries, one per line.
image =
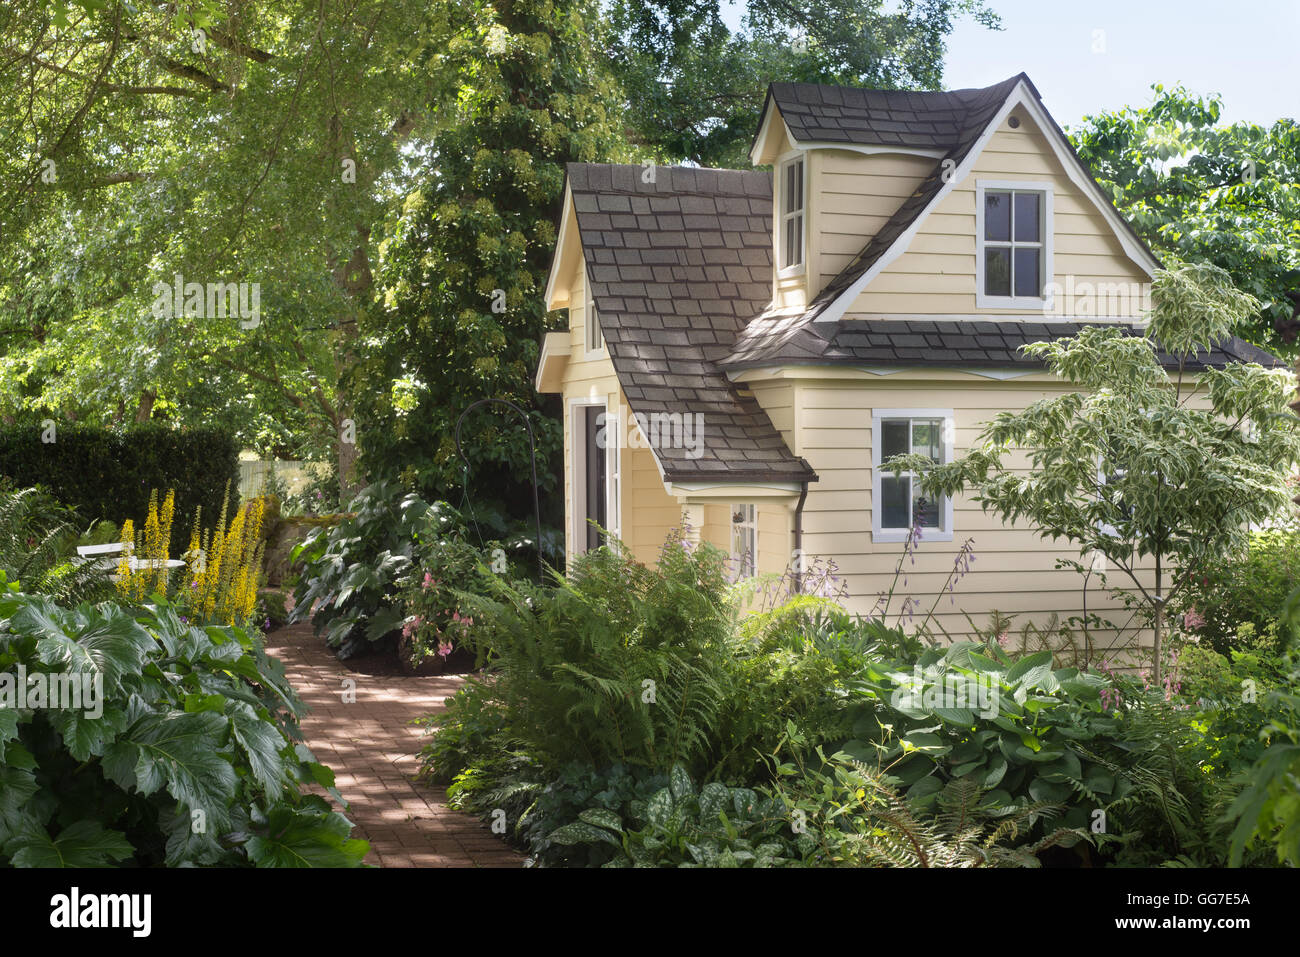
point(744, 347)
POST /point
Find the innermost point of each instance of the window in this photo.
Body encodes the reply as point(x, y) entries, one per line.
point(744, 541)
point(595, 338)
point(791, 234)
point(897, 503)
point(1014, 256)
point(595, 479)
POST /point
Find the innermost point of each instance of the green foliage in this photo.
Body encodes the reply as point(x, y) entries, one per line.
point(37, 546)
point(182, 751)
point(695, 79)
point(1248, 587)
point(482, 219)
point(1129, 468)
point(680, 826)
point(447, 567)
point(1268, 808)
point(109, 474)
point(799, 660)
point(272, 608)
point(1022, 731)
point(355, 569)
point(617, 664)
point(841, 814)
point(123, 99)
point(1202, 190)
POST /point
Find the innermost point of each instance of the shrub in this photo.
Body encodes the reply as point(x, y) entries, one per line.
point(195, 726)
point(272, 608)
point(1020, 730)
point(356, 569)
point(1267, 811)
point(1251, 587)
point(37, 545)
point(446, 567)
point(619, 664)
point(108, 474)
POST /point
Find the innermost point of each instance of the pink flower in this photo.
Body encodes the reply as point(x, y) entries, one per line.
point(428, 581)
point(1193, 620)
point(444, 648)
point(1002, 639)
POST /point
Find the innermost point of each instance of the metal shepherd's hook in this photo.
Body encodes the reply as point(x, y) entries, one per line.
point(532, 453)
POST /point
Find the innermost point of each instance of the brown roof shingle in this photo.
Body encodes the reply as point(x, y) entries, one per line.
point(672, 295)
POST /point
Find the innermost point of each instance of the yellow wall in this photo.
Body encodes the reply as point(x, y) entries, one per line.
point(852, 195)
point(1014, 571)
point(936, 275)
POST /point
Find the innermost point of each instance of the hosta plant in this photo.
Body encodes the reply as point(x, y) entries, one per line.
point(354, 571)
point(1023, 732)
point(152, 742)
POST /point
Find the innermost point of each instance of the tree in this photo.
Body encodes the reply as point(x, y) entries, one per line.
point(695, 87)
point(1154, 472)
point(465, 261)
point(232, 142)
point(1202, 190)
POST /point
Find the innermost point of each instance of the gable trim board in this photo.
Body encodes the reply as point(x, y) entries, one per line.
point(1025, 96)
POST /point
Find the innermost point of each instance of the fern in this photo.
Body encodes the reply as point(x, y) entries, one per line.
point(37, 539)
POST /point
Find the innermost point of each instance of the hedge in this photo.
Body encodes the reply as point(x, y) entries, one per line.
point(108, 473)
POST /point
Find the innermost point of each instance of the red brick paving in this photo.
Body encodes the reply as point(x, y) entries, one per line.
point(373, 749)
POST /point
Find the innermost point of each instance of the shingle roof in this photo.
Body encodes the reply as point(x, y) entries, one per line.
point(912, 342)
point(677, 267)
point(842, 114)
point(680, 267)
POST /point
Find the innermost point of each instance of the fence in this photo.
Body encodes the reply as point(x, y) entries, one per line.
point(253, 474)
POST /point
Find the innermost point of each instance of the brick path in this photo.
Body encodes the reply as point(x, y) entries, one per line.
point(373, 750)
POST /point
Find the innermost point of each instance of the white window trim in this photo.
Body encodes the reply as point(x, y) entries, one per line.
point(578, 465)
point(752, 526)
point(798, 269)
point(588, 311)
point(879, 534)
point(1042, 303)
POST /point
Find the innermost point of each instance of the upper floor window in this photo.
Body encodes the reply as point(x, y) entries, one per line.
point(897, 503)
point(744, 541)
point(595, 339)
point(792, 214)
point(1014, 255)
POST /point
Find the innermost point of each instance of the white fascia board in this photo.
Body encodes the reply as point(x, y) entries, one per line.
point(555, 346)
point(566, 213)
point(731, 489)
point(871, 150)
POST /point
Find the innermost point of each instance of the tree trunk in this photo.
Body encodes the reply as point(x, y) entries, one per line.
point(144, 412)
point(347, 458)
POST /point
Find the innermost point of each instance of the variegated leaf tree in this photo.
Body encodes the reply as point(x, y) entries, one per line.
point(1155, 469)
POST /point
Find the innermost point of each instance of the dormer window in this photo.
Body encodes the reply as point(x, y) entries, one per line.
point(791, 207)
point(1014, 250)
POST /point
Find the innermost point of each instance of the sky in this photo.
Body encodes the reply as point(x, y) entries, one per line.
point(1088, 56)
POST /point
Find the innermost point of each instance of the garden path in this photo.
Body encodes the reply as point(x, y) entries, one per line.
point(374, 751)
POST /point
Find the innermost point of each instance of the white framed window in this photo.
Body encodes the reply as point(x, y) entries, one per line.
point(1013, 244)
point(896, 501)
point(790, 234)
point(744, 541)
point(595, 339)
